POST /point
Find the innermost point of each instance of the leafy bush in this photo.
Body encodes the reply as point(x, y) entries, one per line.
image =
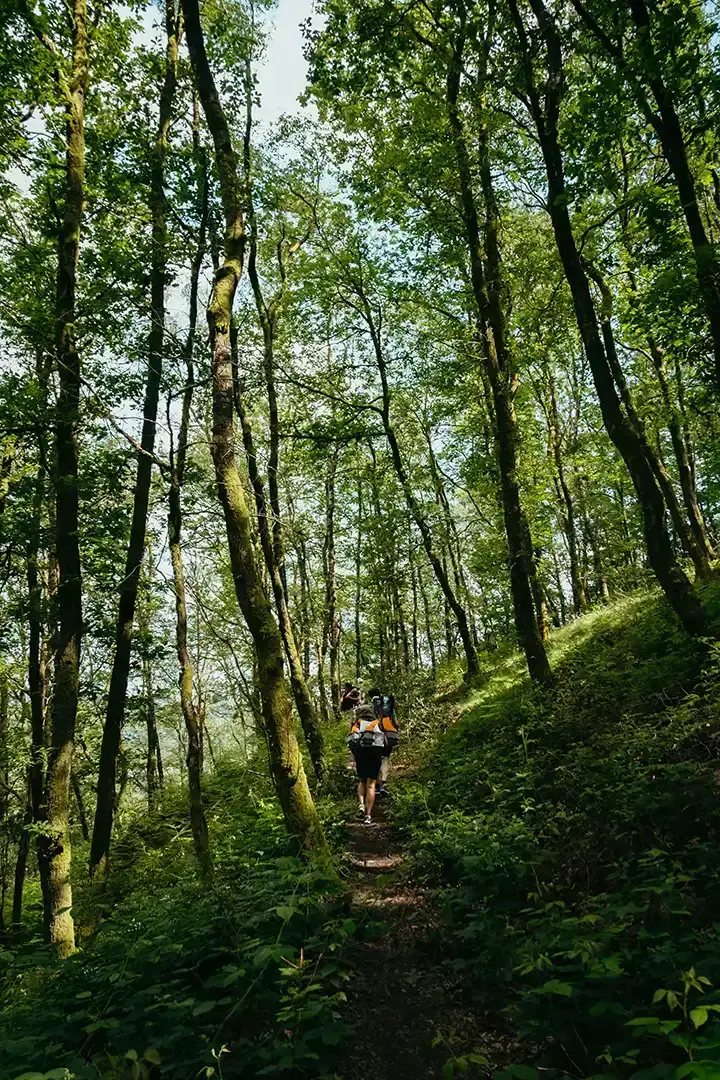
point(572, 836)
point(242, 978)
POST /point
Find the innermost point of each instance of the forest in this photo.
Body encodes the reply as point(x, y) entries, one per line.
point(412, 385)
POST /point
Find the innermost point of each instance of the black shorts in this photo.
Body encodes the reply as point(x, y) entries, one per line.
point(367, 762)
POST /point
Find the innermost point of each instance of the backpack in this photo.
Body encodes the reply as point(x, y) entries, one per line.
point(366, 738)
point(385, 711)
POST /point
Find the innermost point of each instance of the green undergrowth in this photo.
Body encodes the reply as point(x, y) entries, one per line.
point(573, 840)
point(244, 977)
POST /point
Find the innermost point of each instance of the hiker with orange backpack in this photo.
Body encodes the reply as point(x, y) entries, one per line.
point(366, 742)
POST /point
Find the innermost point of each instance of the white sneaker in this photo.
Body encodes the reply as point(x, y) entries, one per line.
point(368, 819)
point(361, 811)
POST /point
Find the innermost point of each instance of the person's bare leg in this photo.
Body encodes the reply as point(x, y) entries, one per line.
point(369, 797)
point(361, 793)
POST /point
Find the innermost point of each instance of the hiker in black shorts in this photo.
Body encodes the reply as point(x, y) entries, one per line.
point(366, 741)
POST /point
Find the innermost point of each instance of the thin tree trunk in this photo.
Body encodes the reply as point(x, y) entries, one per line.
point(274, 548)
point(285, 760)
point(304, 607)
point(117, 694)
point(672, 579)
point(684, 461)
point(580, 601)
point(413, 505)
point(21, 860)
point(333, 620)
point(80, 805)
point(54, 847)
point(270, 547)
point(487, 293)
point(153, 756)
point(190, 711)
point(428, 626)
point(358, 583)
point(415, 605)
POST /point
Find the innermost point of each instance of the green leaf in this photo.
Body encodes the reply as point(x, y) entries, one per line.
point(643, 1021)
point(203, 1007)
point(152, 1055)
point(658, 996)
point(554, 986)
point(699, 1016)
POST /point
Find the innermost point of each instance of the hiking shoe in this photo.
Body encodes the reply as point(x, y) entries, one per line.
point(368, 819)
point(361, 811)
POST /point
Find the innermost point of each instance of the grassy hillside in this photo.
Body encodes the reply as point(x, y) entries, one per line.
point(574, 840)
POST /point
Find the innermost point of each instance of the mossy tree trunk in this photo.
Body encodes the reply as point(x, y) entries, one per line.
point(271, 540)
point(285, 760)
point(54, 846)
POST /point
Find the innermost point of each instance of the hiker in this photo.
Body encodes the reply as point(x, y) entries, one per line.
point(349, 698)
point(366, 742)
point(384, 705)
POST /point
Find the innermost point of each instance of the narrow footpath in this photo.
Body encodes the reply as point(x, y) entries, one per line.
point(408, 1014)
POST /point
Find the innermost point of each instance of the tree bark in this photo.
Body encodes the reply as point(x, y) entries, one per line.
point(270, 545)
point(487, 293)
point(684, 461)
point(580, 600)
point(333, 620)
point(358, 582)
point(117, 694)
point(285, 760)
point(428, 625)
point(54, 846)
point(671, 577)
point(274, 548)
point(188, 706)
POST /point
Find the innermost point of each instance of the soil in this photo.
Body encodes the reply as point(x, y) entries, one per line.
point(408, 1013)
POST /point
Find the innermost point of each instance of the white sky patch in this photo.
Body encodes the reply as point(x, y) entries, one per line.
point(282, 75)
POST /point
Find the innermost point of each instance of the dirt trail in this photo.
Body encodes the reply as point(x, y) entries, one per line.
point(401, 998)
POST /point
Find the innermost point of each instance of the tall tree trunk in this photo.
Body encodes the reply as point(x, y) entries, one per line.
point(80, 807)
point(285, 760)
point(671, 577)
point(333, 618)
point(414, 506)
point(117, 694)
point(487, 293)
point(428, 625)
point(270, 546)
point(274, 548)
point(190, 709)
point(580, 602)
point(454, 547)
point(304, 607)
point(54, 848)
point(684, 461)
point(21, 861)
point(358, 582)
